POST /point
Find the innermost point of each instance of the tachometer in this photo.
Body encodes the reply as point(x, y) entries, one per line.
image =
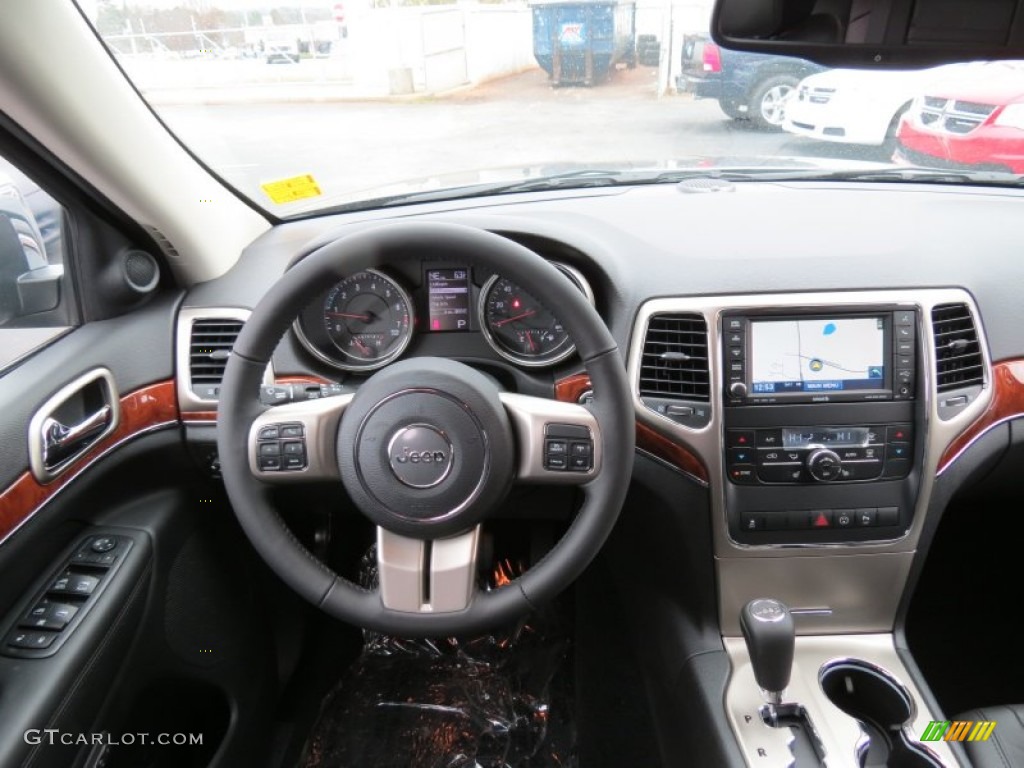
point(519, 328)
point(368, 318)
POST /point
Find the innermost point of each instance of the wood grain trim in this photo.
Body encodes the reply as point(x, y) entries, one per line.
point(1007, 403)
point(301, 380)
point(141, 410)
point(212, 415)
point(569, 390)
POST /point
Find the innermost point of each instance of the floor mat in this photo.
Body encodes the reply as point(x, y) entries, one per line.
point(502, 700)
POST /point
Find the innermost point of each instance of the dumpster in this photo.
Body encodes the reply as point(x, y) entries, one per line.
point(578, 42)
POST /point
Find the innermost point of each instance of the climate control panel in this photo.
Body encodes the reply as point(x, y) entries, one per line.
point(818, 454)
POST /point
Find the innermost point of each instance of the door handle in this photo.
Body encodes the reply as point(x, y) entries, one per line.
point(75, 418)
point(60, 442)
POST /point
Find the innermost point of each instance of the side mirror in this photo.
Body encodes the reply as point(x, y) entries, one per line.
point(39, 289)
point(873, 33)
point(27, 283)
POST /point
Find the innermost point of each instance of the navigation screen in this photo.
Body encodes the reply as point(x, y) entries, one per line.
point(448, 299)
point(822, 355)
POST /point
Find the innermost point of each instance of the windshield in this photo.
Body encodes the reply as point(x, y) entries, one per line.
point(305, 106)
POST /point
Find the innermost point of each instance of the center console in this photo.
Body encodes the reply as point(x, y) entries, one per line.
point(820, 422)
point(823, 421)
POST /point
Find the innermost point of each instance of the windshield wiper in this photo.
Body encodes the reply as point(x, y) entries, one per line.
point(591, 177)
point(577, 179)
point(598, 177)
point(910, 174)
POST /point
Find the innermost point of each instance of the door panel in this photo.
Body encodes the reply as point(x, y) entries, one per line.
point(179, 638)
point(136, 348)
point(44, 530)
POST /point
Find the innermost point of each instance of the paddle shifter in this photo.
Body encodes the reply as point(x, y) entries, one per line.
point(768, 630)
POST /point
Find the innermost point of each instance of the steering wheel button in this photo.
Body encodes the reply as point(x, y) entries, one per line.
point(585, 449)
point(291, 430)
point(294, 462)
point(556, 462)
point(294, 448)
point(579, 463)
point(270, 449)
point(269, 433)
point(270, 463)
point(557, 448)
point(571, 431)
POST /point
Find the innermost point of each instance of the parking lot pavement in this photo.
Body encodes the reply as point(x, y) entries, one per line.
point(521, 121)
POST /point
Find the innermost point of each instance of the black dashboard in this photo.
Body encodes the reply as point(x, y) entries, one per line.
point(794, 463)
point(821, 366)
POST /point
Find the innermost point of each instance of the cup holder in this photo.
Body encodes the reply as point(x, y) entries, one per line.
point(883, 707)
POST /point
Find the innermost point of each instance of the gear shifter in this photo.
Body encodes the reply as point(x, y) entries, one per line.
point(768, 630)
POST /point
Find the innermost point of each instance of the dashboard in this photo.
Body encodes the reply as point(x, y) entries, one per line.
point(818, 396)
point(798, 381)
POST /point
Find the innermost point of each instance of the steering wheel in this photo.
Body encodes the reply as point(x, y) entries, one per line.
point(426, 447)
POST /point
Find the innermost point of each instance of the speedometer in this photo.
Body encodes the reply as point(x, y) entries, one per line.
point(522, 330)
point(368, 318)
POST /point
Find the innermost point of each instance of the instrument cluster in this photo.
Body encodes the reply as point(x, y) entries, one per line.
point(369, 319)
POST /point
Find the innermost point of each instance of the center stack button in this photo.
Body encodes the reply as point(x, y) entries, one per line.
point(824, 465)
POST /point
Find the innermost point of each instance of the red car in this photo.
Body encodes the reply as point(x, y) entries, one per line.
point(975, 121)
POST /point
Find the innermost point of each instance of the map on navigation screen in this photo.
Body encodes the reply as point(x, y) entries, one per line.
point(821, 355)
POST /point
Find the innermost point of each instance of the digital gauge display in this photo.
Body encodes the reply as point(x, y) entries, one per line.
point(836, 437)
point(448, 299)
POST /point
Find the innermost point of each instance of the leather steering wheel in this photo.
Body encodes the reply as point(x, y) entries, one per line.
point(426, 447)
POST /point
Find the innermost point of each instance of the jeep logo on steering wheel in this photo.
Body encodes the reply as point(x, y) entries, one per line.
point(421, 456)
point(425, 457)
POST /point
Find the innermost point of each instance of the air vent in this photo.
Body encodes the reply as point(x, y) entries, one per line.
point(165, 245)
point(209, 347)
point(958, 359)
point(674, 363)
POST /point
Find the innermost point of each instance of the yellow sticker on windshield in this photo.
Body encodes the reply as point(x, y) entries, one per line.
point(290, 190)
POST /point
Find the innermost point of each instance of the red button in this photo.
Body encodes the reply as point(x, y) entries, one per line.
point(821, 520)
point(739, 438)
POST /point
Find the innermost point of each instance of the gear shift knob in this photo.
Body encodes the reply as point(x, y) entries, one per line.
point(768, 630)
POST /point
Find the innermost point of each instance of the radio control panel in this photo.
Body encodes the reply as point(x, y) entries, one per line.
point(818, 454)
point(820, 429)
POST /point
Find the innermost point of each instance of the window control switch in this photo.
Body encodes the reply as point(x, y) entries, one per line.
point(70, 583)
point(29, 639)
point(47, 615)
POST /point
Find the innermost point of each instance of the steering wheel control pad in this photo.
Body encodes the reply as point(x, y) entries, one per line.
point(425, 448)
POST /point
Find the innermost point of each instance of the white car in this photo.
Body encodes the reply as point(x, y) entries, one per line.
point(851, 106)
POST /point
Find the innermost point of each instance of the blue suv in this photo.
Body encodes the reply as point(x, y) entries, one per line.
point(748, 86)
